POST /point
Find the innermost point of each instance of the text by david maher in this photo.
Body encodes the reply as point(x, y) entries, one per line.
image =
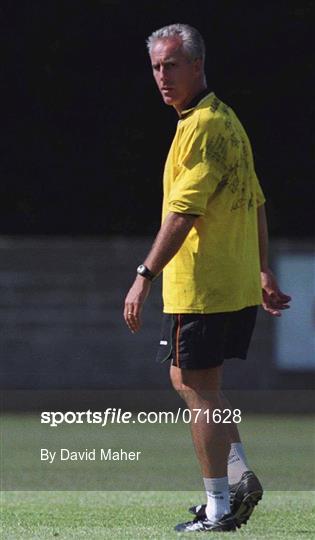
point(102, 454)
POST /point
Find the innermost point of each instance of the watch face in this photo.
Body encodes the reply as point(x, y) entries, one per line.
point(141, 269)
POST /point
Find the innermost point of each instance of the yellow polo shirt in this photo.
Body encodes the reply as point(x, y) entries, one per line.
point(210, 172)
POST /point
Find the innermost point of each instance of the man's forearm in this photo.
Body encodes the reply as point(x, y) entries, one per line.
point(168, 240)
point(263, 237)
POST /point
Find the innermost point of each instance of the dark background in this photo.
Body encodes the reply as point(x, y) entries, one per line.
point(85, 132)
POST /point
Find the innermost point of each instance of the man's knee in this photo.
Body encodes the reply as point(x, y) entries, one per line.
point(191, 384)
point(196, 379)
point(176, 380)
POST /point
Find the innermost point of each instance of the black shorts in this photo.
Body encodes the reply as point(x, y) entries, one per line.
point(200, 341)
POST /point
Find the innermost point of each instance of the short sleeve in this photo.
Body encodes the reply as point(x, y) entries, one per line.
point(197, 178)
point(260, 197)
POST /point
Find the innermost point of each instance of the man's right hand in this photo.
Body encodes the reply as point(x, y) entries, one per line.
point(274, 300)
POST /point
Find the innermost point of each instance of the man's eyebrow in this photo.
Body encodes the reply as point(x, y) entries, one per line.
point(166, 61)
point(169, 59)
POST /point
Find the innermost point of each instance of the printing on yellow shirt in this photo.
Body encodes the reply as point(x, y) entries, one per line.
point(210, 172)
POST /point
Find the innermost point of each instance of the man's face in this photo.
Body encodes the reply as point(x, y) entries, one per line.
point(175, 74)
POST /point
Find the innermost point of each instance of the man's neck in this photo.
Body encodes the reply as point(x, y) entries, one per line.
point(190, 98)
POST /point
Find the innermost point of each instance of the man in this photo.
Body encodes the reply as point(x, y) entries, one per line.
point(212, 248)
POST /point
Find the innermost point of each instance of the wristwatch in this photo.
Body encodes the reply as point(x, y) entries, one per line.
point(143, 271)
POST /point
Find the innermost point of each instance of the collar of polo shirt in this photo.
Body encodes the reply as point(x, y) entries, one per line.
point(194, 102)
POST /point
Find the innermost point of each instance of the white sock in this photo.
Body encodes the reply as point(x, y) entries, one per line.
point(218, 498)
point(237, 463)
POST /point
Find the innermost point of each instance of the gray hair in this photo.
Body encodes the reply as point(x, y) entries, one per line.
point(192, 41)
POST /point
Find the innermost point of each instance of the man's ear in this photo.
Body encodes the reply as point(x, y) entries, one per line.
point(198, 67)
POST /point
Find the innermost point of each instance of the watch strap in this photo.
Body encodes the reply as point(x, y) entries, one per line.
point(144, 271)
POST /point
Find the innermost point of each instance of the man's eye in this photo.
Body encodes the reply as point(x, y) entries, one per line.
point(157, 67)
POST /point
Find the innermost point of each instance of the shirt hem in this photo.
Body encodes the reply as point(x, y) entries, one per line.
point(206, 310)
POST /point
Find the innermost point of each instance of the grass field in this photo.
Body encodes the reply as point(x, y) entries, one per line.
point(141, 515)
point(285, 458)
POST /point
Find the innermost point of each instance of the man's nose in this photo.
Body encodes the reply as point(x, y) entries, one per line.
point(163, 78)
point(162, 74)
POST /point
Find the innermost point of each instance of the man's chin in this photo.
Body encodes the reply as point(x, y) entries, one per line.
point(168, 100)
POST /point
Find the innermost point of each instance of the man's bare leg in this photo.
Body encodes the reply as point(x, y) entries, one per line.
point(232, 428)
point(237, 462)
point(201, 391)
point(247, 495)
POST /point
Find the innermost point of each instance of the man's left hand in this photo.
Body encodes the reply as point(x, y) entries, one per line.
point(274, 300)
point(134, 302)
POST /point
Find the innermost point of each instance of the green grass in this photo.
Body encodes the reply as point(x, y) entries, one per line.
point(280, 450)
point(141, 515)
